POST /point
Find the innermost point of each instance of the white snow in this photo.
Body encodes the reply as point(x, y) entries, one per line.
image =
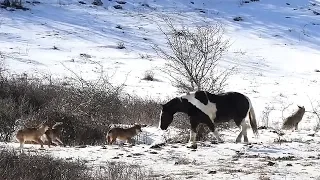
point(229, 160)
point(276, 49)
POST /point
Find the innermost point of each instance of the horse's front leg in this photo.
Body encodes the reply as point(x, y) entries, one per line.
point(193, 133)
point(215, 132)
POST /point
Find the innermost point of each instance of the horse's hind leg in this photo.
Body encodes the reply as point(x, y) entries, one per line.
point(243, 132)
point(239, 136)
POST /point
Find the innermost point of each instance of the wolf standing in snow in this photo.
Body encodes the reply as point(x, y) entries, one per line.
point(293, 120)
point(32, 134)
point(123, 133)
point(53, 134)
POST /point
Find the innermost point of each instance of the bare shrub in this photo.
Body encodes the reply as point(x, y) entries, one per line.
point(85, 108)
point(265, 115)
point(14, 4)
point(148, 76)
point(180, 121)
point(238, 18)
point(8, 114)
point(34, 166)
point(316, 111)
point(149, 110)
point(182, 161)
point(193, 57)
point(181, 137)
point(120, 45)
point(264, 177)
point(121, 170)
point(97, 2)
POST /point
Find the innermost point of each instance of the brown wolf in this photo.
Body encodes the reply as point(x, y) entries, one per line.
point(293, 120)
point(32, 134)
point(123, 133)
point(53, 134)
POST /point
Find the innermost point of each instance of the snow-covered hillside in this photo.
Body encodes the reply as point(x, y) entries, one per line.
point(276, 50)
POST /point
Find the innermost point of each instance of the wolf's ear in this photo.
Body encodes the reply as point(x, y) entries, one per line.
point(300, 107)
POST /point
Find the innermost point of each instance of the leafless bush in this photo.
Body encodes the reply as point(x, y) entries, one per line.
point(264, 177)
point(316, 111)
point(120, 45)
point(14, 4)
point(121, 170)
point(149, 110)
point(86, 108)
point(193, 57)
point(36, 167)
point(181, 121)
point(33, 166)
point(181, 137)
point(8, 114)
point(97, 2)
point(148, 76)
point(182, 161)
point(265, 115)
point(2, 65)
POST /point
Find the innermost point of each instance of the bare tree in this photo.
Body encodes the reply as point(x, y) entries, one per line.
point(193, 56)
point(192, 59)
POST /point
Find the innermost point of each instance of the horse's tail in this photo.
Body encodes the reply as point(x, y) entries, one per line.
point(253, 121)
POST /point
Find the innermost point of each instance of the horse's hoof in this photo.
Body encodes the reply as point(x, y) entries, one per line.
point(214, 142)
point(193, 146)
point(156, 146)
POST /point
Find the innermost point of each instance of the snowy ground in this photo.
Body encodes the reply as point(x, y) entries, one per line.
point(276, 50)
point(298, 158)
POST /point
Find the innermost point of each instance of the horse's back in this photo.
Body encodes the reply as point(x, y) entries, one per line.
point(231, 105)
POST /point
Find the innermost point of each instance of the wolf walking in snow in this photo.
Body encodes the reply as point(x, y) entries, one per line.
point(124, 134)
point(32, 134)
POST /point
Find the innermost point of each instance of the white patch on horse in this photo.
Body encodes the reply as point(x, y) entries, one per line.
point(210, 109)
point(160, 119)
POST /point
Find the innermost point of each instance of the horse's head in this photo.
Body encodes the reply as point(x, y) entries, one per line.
point(165, 119)
point(167, 112)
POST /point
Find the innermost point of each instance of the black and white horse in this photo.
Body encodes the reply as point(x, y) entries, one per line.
point(204, 107)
